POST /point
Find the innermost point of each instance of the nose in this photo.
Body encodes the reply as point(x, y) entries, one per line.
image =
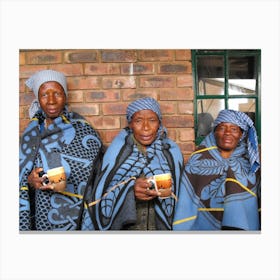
point(51, 99)
point(146, 125)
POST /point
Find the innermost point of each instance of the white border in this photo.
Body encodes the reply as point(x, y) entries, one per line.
point(139, 24)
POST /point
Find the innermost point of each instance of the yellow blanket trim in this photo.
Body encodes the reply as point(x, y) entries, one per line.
point(242, 186)
point(205, 149)
point(25, 188)
point(114, 187)
point(65, 119)
point(184, 220)
point(210, 209)
point(72, 194)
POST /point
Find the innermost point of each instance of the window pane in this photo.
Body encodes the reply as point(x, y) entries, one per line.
point(207, 111)
point(210, 71)
point(242, 75)
point(246, 105)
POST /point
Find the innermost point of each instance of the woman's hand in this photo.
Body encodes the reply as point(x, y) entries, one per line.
point(35, 181)
point(142, 190)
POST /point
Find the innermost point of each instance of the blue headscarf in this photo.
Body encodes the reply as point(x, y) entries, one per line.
point(145, 103)
point(247, 125)
point(40, 77)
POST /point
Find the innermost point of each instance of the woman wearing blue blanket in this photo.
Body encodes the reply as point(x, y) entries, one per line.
point(221, 185)
point(121, 197)
point(55, 138)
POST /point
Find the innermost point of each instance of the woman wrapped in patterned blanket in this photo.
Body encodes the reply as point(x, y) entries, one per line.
point(122, 197)
point(221, 184)
point(54, 138)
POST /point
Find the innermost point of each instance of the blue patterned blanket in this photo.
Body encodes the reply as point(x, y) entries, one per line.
point(111, 202)
point(69, 142)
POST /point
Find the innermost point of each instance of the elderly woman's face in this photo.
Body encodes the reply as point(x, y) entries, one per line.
point(145, 124)
point(52, 99)
point(227, 136)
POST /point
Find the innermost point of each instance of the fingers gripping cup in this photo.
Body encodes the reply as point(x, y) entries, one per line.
point(57, 178)
point(162, 183)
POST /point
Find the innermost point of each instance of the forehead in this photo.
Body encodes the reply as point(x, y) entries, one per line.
point(145, 114)
point(51, 85)
point(227, 124)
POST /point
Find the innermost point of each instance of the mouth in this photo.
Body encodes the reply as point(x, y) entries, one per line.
point(146, 137)
point(52, 111)
point(228, 140)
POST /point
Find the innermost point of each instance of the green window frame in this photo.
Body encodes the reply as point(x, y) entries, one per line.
point(225, 79)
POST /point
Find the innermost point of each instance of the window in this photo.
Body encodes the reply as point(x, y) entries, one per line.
point(225, 79)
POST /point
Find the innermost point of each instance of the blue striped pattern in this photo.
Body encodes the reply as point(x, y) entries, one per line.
point(40, 77)
point(249, 131)
point(146, 103)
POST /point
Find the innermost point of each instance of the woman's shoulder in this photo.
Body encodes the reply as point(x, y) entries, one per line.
point(172, 143)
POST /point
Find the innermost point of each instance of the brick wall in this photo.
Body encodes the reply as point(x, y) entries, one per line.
point(102, 83)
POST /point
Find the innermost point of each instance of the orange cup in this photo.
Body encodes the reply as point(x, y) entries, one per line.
point(161, 181)
point(57, 178)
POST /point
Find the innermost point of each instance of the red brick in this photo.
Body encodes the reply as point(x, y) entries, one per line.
point(108, 136)
point(118, 56)
point(187, 147)
point(21, 85)
point(26, 71)
point(26, 98)
point(107, 122)
point(168, 108)
point(69, 69)
point(75, 96)
point(83, 82)
point(124, 122)
point(133, 94)
point(185, 81)
point(21, 58)
point(186, 134)
point(172, 134)
point(184, 67)
point(80, 56)
point(157, 81)
point(185, 108)
point(23, 125)
point(114, 108)
point(178, 121)
point(176, 94)
point(137, 68)
point(183, 55)
point(156, 55)
point(102, 95)
point(88, 109)
point(119, 82)
point(102, 69)
point(44, 57)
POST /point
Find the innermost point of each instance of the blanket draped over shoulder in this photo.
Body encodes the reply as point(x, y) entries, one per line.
point(111, 201)
point(217, 192)
point(69, 142)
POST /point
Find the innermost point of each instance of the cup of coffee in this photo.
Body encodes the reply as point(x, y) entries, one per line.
point(162, 183)
point(57, 178)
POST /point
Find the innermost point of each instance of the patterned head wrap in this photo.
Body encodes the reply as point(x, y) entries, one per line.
point(146, 103)
point(247, 125)
point(40, 77)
